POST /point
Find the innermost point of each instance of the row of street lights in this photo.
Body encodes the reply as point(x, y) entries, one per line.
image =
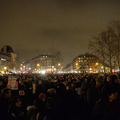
point(23, 68)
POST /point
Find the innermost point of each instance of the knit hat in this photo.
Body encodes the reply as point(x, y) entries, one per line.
point(42, 96)
point(51, 91)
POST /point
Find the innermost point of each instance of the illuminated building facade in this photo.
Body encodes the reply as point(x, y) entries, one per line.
point(43, 63)
point(86, 63)
point(7, 59)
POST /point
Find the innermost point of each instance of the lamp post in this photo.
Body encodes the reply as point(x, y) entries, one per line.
point(96, 64)
point(59, 66)
point(5, 68)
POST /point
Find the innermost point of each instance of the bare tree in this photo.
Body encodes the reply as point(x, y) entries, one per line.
point(106, 45)
point(108, 41)
point(98, 48)
point(115, 28)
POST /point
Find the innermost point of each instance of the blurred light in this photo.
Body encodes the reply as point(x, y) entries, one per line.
point(59, 64)
point(38, 65)
point(20, 68)
point(3, 59)
point(96, 64)
point(76, 63)
point(90, 68)
point(43, 72)
point(5, 68)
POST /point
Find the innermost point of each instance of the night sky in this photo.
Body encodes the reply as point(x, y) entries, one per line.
point(33, 27)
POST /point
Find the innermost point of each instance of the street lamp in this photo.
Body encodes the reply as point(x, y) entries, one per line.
point(38, 65)
point(58, 67)
point(59, 64)
point(76, 64)
point(5, 68)
point(96, 64)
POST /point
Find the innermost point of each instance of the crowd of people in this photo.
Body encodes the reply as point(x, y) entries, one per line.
point(61, 97)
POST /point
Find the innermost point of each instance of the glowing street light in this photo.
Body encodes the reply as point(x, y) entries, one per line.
point(5, 68)
point(90, 69)
point(59, 64)
point(96, 64)
point(38, 65)
point(102, 67)
point(76, 64)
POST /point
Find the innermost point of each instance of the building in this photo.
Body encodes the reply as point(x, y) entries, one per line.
point(41, 64)
point(7, 59)
point(86, 63)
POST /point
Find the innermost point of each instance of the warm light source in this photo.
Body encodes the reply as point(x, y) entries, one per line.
point(76, 64)
point(102, 67)
point(5, 68)
point(2, 72)
point(38, 65)
point(59, 64)
point(96, 64)
point(90, 68)
point(43, 72)
point(52, 66)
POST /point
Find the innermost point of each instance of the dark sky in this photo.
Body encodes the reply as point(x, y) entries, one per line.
point(32, 27)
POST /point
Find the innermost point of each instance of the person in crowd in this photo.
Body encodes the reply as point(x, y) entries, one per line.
point(107, 79)
point(108, 106)
point(114, 81)
point(2, 85)
point(16, 110)
point(84, 88)
point(4, 103)
point(61, 97)
point(24, 98)
point(37, 111)
point(94, 92)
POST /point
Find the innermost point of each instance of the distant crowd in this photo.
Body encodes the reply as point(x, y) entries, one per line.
point(61, 97)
